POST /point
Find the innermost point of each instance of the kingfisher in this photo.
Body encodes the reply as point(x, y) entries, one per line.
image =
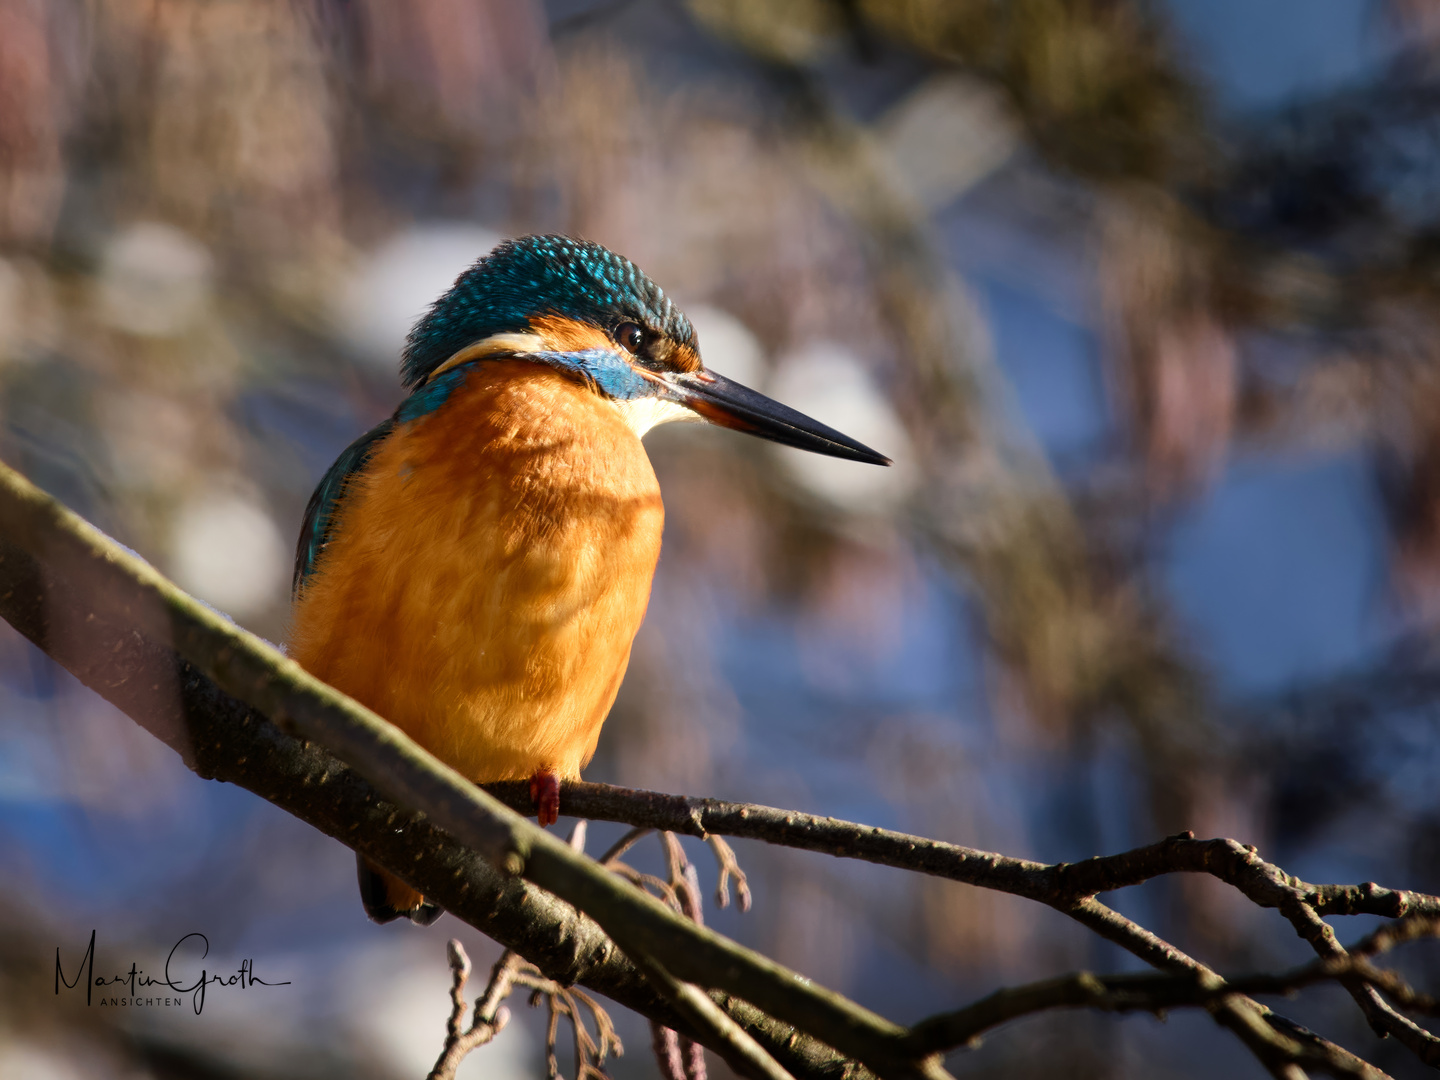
point(475, 568)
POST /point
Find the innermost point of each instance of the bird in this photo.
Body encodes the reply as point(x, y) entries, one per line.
point(475, 568)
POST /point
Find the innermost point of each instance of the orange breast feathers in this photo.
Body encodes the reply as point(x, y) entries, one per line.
point(488, 573)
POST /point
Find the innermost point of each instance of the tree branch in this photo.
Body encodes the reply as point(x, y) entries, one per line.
point(172, 664)
point(1383, 1019)
point(121, 585)
point(1068, 887)
point(1156, 992)
point(746, 1056)
point(61, 608)
point(490, 1017)
point(1059, 885)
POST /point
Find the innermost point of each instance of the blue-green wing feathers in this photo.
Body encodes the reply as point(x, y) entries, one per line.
point(324, 504)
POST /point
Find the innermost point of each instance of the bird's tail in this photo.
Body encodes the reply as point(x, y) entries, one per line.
point(386, 897)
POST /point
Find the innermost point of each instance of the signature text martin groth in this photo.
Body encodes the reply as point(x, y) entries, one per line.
point(183, 976)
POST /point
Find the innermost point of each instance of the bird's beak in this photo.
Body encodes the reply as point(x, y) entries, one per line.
point(727, 403)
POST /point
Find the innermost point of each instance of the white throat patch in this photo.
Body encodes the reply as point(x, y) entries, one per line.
point(642, 414)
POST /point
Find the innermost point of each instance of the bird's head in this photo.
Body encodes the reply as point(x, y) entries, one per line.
point(594, 315)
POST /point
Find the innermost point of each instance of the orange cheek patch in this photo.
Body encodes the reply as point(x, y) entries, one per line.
point(563, 334)
point(686, 359)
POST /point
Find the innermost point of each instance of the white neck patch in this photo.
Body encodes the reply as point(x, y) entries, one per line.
point(642, 414)
point(495, 343)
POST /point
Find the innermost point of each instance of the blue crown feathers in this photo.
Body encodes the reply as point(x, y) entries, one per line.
point(538, 275)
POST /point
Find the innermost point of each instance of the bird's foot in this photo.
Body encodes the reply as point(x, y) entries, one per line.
point(545, 794)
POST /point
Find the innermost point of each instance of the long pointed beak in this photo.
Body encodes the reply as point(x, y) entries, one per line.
point(731, 405)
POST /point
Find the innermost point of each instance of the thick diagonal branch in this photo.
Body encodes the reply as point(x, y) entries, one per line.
point(173, 665)
point(108, 618)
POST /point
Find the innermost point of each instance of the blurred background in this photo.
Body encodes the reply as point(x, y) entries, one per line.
point(1141, 297)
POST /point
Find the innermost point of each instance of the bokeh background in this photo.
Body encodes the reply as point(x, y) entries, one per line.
point(1141, 297)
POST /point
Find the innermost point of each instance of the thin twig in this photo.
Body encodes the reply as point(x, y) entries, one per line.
point(1059, 885)
point(680, 1057)
point(490, 1015)
point(684, 881)
point(1266, 1034)
point(1383, 1019)
point(665, 1044)
point(1153, 993)
point(732, 1042)
point(624, 844)
point(566, 1001)
point(729, 867)
point(1069, 887)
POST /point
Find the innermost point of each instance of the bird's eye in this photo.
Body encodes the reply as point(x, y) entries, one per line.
point(629, 337)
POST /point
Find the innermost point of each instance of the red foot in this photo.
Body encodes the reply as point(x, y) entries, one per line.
point(545, 794)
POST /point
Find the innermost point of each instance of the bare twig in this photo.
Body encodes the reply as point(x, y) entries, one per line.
point(1157, 993)
point(729, 867)
point(1269, 886)
point(624, 844)
point(591, 1052)
point(684, 882)
point(680, 1057)
point(1069, 887)
point(1383, 1019)
point(693, 1053)
point(490, 1015)
point(578, 835)
point(659, 887)
point(740, 1051)
point(683, 879)
point(666, 1045)
point(1060, 885)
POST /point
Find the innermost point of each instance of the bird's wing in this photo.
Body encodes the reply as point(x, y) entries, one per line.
point(325, 502)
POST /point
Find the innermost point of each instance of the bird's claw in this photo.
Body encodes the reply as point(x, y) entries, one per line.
point(545, 794)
